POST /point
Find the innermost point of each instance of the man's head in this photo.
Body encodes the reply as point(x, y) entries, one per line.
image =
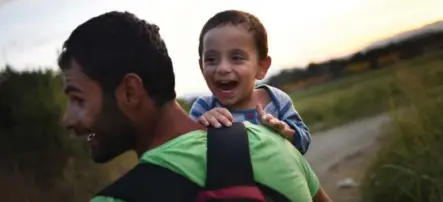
point(115, 67)
point(233, 50)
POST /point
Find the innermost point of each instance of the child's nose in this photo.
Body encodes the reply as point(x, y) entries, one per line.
point(224, 67)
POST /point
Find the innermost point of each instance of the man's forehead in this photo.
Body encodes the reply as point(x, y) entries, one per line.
point(73, 72)
point(74, 78)
point(66, 76)
point(71, 75)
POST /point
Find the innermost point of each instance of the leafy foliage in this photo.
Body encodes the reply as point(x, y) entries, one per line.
point(34, 147)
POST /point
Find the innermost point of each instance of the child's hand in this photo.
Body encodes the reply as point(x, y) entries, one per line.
point(216, 117)
point(269, 120)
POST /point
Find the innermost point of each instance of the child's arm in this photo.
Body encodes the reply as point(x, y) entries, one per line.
point(287, 128)
point(199, 107)
point(301, 138)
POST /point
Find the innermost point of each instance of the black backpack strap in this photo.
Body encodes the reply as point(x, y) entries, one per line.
point(229, 161)
point(149, 182)
point(228, 157)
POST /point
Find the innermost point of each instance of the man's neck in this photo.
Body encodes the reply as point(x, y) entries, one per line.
point(172, 121)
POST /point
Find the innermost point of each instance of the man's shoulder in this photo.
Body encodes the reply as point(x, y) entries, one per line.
point(191, 142)
point(286, 171)
point(261, 132)
point(105, 199)
point(186, 155)
point(195, 142)
point(148, 182)
point(192, 145)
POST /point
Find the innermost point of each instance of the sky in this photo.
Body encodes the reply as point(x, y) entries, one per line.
point(299, 31)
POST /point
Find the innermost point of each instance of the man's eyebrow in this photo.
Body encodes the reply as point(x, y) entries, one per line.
point(69, 89)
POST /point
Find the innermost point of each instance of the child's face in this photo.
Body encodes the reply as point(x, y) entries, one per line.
point(230, 63)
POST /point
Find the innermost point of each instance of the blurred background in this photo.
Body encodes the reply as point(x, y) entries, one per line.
point(365, 75)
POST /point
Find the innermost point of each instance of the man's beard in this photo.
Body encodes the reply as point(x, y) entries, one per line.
point(115, 132)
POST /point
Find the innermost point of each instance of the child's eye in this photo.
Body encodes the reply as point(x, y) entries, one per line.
point(210, 60)
point(238, 57)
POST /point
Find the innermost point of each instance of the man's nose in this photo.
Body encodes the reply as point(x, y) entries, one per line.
point(68, 122)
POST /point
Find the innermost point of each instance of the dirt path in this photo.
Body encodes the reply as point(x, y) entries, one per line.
point(344, 152)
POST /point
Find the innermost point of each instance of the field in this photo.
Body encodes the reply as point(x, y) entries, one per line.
point(405, 164)
point(338, 102)
point(408, 167)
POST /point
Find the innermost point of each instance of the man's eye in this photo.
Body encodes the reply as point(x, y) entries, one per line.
point(77, 100)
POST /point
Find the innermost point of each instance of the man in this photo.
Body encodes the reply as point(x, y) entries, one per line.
point(120, 82)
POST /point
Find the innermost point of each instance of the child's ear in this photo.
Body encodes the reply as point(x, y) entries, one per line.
point(263, 68)
point(200, 64)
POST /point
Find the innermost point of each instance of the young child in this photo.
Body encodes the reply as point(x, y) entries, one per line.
point(233, 51)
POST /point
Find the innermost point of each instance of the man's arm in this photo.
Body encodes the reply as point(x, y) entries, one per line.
point(321, 196)
point(317, 192)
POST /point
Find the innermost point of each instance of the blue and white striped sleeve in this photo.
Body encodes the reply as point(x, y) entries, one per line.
point(287, 113)
point(201, 105)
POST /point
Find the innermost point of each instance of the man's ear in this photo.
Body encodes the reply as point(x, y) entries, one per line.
point(263, 68)
point(130, 91)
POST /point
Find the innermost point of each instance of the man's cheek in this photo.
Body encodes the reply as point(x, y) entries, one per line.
point(87, 118)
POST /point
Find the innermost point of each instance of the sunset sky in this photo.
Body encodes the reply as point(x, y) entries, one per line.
point(299, 31)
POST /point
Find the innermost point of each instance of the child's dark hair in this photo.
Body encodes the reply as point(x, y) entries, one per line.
point(236, 17)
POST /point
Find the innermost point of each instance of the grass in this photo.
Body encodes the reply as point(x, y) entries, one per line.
point(342, 101)
point(409, 164)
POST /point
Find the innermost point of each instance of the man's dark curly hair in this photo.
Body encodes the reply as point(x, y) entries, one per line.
point(236, 17)
point(114, 44)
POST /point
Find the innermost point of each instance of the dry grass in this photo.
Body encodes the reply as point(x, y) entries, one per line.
point(409, 165)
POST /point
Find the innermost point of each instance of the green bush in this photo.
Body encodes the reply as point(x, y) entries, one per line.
point(409, 164)
point(39, 160)
point(30, 121)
